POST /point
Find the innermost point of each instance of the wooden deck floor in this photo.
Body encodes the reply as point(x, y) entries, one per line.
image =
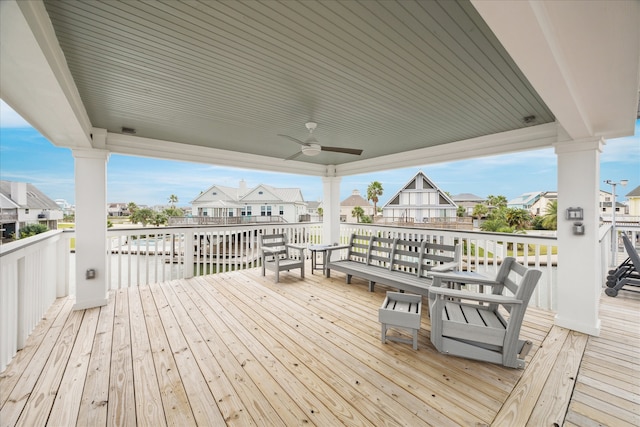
point(237, 349)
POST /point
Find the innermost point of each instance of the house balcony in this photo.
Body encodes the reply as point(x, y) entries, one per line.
point(175, 345)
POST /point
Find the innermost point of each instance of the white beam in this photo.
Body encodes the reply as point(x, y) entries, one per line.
point(34, 78)
point(582, 57)
point(147, 147)
point(531, 138)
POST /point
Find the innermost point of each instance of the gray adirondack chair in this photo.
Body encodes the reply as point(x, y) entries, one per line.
point(277, 255)
point(472, 324)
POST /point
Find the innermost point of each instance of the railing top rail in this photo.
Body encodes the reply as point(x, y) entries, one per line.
point(455, 233)
point(21, 244)
point(194, 228)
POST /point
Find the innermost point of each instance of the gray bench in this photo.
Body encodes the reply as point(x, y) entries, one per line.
point(402, 264)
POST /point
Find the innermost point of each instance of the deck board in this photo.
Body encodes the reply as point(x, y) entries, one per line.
point(237, 349)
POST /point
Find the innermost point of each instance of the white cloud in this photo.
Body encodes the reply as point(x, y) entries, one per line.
point(11, 119)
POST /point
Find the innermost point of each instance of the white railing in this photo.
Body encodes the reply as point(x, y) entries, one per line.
point(483, 252)
point(147, 255)
point(33, 273)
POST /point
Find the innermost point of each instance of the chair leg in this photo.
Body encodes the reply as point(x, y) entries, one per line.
point(383, 336)
point(277, 275)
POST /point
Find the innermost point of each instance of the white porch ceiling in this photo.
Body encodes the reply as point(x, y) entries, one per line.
point(406, 81)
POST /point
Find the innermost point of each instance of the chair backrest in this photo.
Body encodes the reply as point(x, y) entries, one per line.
point(521, 282)
point(631, 251)
point(275, 242)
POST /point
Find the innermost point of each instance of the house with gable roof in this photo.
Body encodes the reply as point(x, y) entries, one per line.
point(535, 202)
point(634, 201)
point(421, 201)
point(22, 203)
point(220, 201)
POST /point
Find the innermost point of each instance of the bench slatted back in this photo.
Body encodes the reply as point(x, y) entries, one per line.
point(380, 249)
point(409, 256)
point(358, 248)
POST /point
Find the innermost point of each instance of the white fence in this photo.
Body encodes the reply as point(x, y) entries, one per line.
point(148, 255)
point(33, 273)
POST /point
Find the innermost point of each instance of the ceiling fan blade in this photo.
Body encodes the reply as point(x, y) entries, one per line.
point(355, 151)
point(293, 139)
point(294, 156)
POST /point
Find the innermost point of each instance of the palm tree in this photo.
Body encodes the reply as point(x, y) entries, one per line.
point(497, 201)
point(518, 218)
point(173, 199)
point(373, 192)
point(480, 210)
point(357, 213)
point(550, 218)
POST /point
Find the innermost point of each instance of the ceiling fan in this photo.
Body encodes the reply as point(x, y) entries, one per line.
point(312, 147)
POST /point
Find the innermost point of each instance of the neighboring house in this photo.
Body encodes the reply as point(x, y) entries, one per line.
point(524, 201)
point(118, 209)
point(535, 202)
point(313, 211)
point(606, 199)
point(22, 203)
point(419, 201)
point(468, 201)
point(634, 201)
point(347, 205)
point(67, 209)
point(263, 200)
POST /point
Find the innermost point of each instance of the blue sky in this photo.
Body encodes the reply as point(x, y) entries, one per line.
point(27, 156)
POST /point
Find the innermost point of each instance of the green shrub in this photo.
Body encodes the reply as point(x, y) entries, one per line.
point(31, 230)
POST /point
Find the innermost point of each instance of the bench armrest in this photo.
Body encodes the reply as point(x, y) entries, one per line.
point(447, 266)
point(474, 296)
point(330, 250)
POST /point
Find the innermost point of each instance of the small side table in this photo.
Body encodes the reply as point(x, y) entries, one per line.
point(403, 311)
point(315, 249)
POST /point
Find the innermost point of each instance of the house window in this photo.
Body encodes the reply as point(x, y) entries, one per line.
point(230, 212)
point(214, 193)
point(26, 211)
point(265, 210)
point(281, 210)
point(246, 211)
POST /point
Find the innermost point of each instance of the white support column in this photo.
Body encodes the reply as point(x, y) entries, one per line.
point(579, 258)
point(91, 227)
point(331, 210)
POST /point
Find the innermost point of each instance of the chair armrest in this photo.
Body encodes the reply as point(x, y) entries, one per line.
point(267, 250)
point(447, 266)
point(474, 296)
point(296, 247)
point(467, 277)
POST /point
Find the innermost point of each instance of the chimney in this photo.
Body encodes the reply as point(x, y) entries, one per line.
point(19, 193)
point(242, 190)
point(355, 192)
